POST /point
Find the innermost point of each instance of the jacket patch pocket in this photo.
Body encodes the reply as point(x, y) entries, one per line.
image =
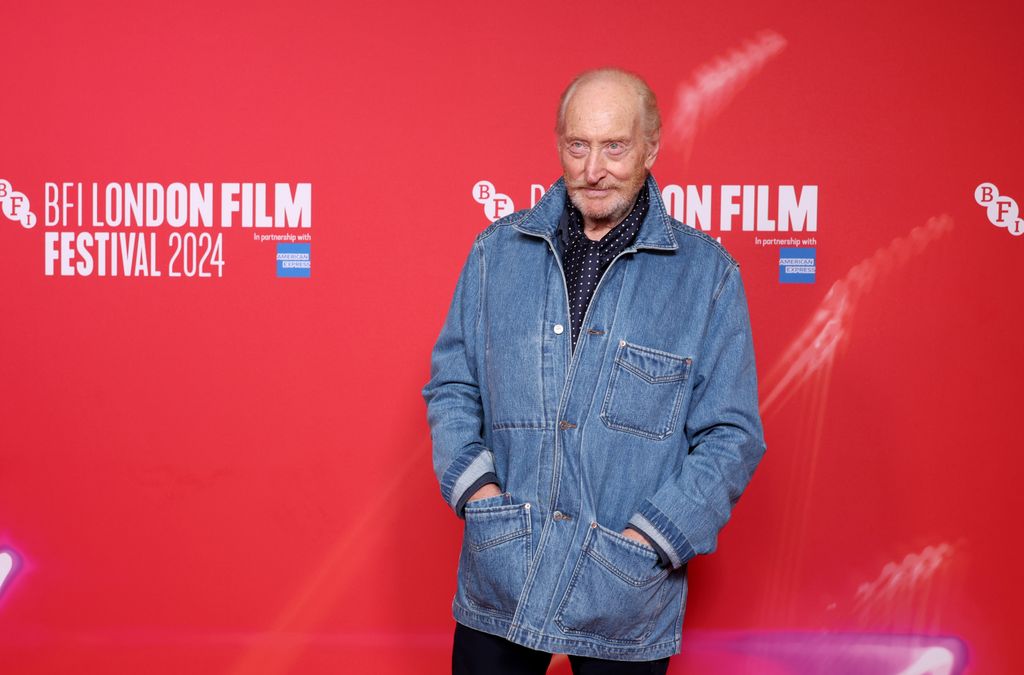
point(645, 391)
point(616, 592)
point(495, 555)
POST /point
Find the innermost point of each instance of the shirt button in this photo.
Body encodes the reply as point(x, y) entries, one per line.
point(559, 329)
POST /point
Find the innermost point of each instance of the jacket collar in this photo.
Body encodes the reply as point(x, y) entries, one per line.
point(655, 231)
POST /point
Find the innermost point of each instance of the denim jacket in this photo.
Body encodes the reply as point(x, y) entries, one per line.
point(652, 422)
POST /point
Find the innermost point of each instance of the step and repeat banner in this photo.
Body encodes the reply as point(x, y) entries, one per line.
point(230, 236)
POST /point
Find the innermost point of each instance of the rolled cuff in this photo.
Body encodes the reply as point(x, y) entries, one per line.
point(670, 543)
point(462, 474)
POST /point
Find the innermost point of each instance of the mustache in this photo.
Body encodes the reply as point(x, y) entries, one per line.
point(596, 186)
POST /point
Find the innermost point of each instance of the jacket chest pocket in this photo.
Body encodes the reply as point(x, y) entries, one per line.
point(646, 391)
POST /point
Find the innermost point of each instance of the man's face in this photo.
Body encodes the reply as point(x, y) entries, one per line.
point(605, 156)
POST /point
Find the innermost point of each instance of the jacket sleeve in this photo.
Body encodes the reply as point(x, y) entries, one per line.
point(454, 409)
point(723, 430)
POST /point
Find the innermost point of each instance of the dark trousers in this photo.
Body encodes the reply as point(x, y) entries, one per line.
point(477, 653)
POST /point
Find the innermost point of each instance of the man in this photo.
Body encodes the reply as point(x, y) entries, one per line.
point(593, 406)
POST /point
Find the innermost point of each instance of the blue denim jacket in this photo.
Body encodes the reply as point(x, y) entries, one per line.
point(652, 422)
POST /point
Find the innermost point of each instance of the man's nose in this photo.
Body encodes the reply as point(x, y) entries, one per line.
point(594, 168)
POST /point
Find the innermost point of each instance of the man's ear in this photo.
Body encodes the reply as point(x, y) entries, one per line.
point(652, 152)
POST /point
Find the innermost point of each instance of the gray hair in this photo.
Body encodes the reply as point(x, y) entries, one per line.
point(648, 102)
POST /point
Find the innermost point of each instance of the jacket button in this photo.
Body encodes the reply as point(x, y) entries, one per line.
point(558, 328)
point(557, 515)
point(565, 424)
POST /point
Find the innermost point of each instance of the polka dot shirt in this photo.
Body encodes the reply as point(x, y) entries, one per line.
point(585, 261)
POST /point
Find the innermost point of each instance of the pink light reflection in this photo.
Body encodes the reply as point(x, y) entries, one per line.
point(834, 653)
point(8, 568)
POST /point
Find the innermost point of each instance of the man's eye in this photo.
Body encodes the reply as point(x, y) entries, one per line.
point(616, 148)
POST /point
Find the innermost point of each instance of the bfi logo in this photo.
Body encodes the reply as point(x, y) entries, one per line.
point(1002, 210)
point(15, 205)
point(496, 205)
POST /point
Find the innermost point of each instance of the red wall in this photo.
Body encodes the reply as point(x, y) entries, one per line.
point(231, 474)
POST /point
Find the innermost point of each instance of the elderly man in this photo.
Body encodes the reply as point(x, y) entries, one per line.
point(592, 404)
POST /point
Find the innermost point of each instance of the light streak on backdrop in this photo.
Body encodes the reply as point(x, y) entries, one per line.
point(714, 84)
point(905, 585)
point(828, 328)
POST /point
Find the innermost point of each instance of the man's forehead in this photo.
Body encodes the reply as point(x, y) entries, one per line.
point(603, 107)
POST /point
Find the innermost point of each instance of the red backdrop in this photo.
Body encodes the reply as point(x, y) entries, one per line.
point(231, 474)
